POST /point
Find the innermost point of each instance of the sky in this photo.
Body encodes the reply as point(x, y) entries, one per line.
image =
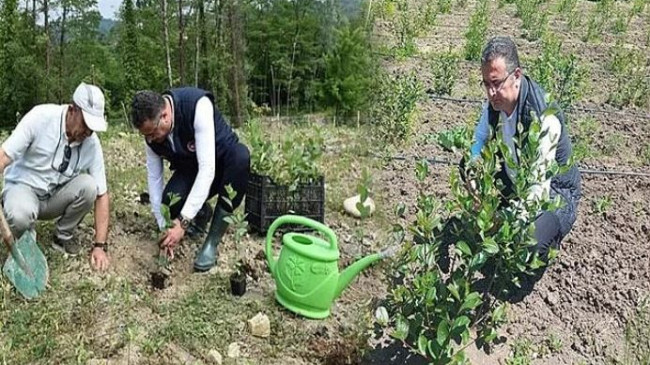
point(109, 8)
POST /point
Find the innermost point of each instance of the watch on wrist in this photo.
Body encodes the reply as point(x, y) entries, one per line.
point(185, 223)
point(101, 245)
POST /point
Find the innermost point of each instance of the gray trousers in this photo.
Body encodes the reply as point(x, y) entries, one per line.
point(70, 203)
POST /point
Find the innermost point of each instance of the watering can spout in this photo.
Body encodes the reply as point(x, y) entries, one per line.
point(353, 270)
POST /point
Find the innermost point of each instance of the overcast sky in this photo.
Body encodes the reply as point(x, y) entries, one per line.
point(109, 8)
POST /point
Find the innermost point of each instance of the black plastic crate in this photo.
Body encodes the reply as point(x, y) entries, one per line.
point(266, 201)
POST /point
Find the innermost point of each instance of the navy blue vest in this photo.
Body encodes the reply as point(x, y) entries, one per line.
point(531, 98)
point(182, 134)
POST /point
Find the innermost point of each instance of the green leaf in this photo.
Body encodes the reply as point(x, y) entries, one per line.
point(490, 246)
point(464, 248)
point(498, 314)
point(472, 301)
point(453, 289)
point(460, 326)
point(443, 332)
point(401, 328)
point(423, 342)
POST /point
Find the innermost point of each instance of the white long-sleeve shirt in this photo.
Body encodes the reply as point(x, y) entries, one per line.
point(206, 156)
point(547, 146)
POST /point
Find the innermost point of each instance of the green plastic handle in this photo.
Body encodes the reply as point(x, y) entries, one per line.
point(303, 221)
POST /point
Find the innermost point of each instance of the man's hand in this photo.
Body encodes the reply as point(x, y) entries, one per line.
point(99, 259)
point(172, 237)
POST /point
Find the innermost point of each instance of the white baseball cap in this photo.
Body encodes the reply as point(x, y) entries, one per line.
point(90, 99)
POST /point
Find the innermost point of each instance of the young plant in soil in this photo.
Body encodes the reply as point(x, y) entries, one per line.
point(558, 72)
point(445, 71)
point(160, 277)
point(291, 161)
point(237, 220)
point(457, 276)
point(363, 189)
point(394, 108)
point(475, 35)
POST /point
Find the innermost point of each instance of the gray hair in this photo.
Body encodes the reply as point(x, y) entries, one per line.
point(501, 47)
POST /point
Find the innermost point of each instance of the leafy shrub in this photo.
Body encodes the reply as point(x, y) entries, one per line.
point(637, 333)
point(621, 21)
point(637, 7)
point(584, 132)
point(394, 107)
point(445, 71)
point(558, 72)
point(475, 35)
point(290, 161)
point(533, 18)
point(632, 83)
point(434, 302)
point(406, 27)
point(597, 20)
point(444, 6)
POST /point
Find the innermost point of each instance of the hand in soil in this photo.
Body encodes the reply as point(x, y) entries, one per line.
point(99, 259)
point(171, 238)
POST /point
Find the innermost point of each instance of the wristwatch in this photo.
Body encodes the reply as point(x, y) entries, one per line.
point(102, 245)
point(185, 223)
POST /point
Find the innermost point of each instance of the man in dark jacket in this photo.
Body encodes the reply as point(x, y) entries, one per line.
point(184, 127)
point(511, 98)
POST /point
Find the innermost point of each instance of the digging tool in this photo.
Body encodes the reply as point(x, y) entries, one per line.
point(26, 266)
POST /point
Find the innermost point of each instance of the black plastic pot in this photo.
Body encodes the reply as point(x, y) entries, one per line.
point(238, 283)
point(159, 280)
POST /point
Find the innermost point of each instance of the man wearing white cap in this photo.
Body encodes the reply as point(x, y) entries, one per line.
point(55, 169)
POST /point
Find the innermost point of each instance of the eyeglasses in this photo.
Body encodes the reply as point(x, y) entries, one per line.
point(67, 152)
point(497, 86)
point(65, 163)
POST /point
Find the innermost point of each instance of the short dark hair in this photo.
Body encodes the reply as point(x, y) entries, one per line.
point(501, 47)
point(146, 105)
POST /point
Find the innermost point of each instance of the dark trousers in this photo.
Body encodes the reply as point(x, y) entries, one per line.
point(232, 168)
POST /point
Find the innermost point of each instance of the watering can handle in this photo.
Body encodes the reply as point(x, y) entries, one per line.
point(296, 219)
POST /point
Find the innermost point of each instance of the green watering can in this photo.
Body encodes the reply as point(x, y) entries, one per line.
point(307, 272)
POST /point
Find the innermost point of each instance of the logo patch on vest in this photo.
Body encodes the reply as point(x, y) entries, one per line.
point(191, 146)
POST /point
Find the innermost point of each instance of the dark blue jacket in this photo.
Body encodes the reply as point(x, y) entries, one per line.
point(531, 98)
point(184, 156)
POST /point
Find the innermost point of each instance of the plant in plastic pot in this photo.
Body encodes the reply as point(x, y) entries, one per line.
point(237, 219)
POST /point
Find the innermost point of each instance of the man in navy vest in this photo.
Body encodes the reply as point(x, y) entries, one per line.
point(511, 98)
point(184, 127)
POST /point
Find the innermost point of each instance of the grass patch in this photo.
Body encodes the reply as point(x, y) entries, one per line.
point(72, 322)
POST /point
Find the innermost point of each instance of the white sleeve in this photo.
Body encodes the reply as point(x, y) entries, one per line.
point(206, 156)
point(546, 149)
point(97, 168)
point(155, 181)
point(21, 137)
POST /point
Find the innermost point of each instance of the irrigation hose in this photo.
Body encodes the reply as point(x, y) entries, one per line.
point(582, 170)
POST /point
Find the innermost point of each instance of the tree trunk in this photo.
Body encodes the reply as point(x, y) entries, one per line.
point(237, 79)
point(166, 36)
point(46, 26)
point(181, 43)
point(62, 51)
point(204, 75)
point(197, 45)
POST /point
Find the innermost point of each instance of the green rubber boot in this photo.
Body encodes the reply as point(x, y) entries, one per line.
point(207, 255)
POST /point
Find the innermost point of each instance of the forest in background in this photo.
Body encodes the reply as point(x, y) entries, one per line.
point(273, 56)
